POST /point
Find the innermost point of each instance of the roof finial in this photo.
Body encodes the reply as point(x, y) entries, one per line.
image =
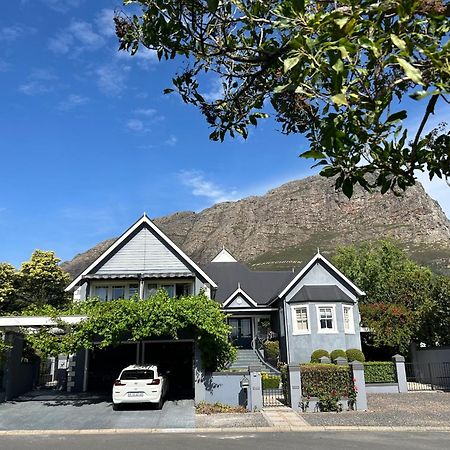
point(223, 247)
point(145, 214)
point(239, 285)
point(318, 250)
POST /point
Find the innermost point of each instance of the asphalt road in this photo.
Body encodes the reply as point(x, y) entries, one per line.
point(244, 441)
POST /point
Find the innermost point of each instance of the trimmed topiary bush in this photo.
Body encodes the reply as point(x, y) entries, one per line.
point(317, 354)
point(271, 350)
point(270, 381)
point(354, 354)
point(337, 353)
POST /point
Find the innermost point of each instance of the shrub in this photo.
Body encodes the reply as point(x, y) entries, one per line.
point(272, 350)
point(337, 354)
point(323, 380)
point(317, 354)
point(380, 372)
point(284, 381)
point(270, 381)
point(215, 408)
point(354, 354)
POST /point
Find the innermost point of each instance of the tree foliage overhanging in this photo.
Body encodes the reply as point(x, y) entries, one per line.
point(335, 71)
point(404, 301)
point(115, 321)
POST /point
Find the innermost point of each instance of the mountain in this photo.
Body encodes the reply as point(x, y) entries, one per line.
point(287, 225)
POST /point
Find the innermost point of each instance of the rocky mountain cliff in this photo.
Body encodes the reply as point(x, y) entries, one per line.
point(289, 223)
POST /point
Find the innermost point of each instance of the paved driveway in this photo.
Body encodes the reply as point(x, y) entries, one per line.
point(68, 412)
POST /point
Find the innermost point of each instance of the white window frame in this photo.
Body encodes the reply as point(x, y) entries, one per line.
point(351, 329)
point(333, 330)
point(295, 330)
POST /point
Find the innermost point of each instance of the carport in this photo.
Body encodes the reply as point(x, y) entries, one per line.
point(176, 358)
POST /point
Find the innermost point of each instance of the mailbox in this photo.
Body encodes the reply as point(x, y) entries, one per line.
point(244, 383)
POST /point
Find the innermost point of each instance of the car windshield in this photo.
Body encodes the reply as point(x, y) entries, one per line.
point(137, 374)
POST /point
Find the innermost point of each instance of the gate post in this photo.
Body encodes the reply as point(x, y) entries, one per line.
point(255, 394)
point(295, 386)
point(360, 384)
point(399, 362)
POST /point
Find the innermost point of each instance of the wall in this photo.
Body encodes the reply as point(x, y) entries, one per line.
point(430, 355)
point(18, 377)
point(302, 345)
point(224, 388)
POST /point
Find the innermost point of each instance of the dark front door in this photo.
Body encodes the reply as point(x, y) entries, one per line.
point(241, 332)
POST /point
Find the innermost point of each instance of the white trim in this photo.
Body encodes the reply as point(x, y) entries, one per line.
point(333, 330)
point(235, 293)
point(295, 330)
point(350, 330)
point(317, 257)
point(143, 220)
point(36, 321)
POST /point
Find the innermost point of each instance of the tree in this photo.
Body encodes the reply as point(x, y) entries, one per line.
point(331, 70)
point(42, 281)
point(403, 299)
point(8, 282)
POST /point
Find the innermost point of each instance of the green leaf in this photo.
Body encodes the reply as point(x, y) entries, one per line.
point(312, 154)
point(347, 187)
point(339, 99)
point(338, 66)
point(414, 74)
point(398, 42)
point(397, 116)
point(290, 63)
point(168, 91)
point(213, 5)
point(341, 21)
point(298, 5)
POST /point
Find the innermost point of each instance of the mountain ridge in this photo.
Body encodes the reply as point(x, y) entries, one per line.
point(286, 225)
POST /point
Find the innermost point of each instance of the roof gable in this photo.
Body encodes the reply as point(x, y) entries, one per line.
point(319, 259)
point(239, 299)
point(142, 248)
point(224, 256)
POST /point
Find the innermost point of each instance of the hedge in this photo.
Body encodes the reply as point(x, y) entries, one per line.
point(380, 372)
point(271, 349)
point(354, 354)
point(338, 353)
point(317, 354)
point(270, 381)
point(319, 380)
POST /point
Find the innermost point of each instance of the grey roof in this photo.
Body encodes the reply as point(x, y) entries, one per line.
point(143, 275)
point(261, 286)
point(321, 293)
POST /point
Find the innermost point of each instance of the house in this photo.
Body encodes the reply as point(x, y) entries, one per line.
point(313, 307)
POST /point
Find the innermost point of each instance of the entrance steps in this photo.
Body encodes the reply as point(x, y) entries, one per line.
point(249, 357)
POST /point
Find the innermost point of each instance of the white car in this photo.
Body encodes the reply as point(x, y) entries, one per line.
point(139, 384)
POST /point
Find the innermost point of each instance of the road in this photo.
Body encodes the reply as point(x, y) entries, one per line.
point(341, 440)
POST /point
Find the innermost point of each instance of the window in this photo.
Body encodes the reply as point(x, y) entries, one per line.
point(300, 320)
point(326, 319)
point(151, 290)
point(102, 292)
point(182, 289)
point(117, 292)
point(349, 324)
point(133, 289)
point(170, 289)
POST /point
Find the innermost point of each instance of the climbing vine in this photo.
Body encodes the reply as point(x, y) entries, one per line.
point(110, 323)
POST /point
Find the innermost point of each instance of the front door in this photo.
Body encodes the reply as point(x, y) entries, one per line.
point(241, 332)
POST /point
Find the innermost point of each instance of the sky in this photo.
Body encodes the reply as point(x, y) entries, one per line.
point(88, 141)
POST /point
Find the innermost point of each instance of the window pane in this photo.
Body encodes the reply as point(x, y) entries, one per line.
point(347, 318)
point(151, 290)
point(170, 289)
point(183, 289)
point(326, 318)
point(133, 289)
point(101, 292)
point(118, 292)
point(137, 375)
point(302, 319)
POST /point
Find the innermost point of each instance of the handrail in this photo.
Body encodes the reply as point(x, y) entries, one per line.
point(260, 355)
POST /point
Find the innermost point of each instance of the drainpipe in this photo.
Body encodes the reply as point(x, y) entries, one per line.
point(288, 356)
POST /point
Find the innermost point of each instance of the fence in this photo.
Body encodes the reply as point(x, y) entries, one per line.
point(428, 376)
point(273, 394)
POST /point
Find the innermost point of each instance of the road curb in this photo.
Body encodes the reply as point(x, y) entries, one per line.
point(302, 429)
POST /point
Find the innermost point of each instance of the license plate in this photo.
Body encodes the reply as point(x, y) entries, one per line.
point(135, 394)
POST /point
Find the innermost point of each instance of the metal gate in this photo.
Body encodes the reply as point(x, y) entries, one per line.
point(428, 376)
point(273, 392)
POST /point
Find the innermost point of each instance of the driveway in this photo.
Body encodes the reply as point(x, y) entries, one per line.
point(44, 411)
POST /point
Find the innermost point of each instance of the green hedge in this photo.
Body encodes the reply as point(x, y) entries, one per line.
point(319, 380)
point(338, 353)
point(354, 354)
point(317, 354)
point(380, 372)
point(271, 349)
point(270, 381)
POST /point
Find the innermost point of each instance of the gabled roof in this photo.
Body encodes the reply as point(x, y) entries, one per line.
point(224, 256)
point(235, 294)
point(262, 286)
point(143, 222)
point(322, 292)
point(318, 258)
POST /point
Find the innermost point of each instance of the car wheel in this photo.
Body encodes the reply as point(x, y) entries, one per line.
point(116, 407)
point(160, 403)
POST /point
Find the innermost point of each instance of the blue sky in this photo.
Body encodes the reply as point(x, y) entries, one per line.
point(88, 142)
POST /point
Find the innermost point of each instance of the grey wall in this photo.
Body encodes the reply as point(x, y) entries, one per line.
point(224, 388)
point(430, 355)
point(301, 346)
point(18, 377)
